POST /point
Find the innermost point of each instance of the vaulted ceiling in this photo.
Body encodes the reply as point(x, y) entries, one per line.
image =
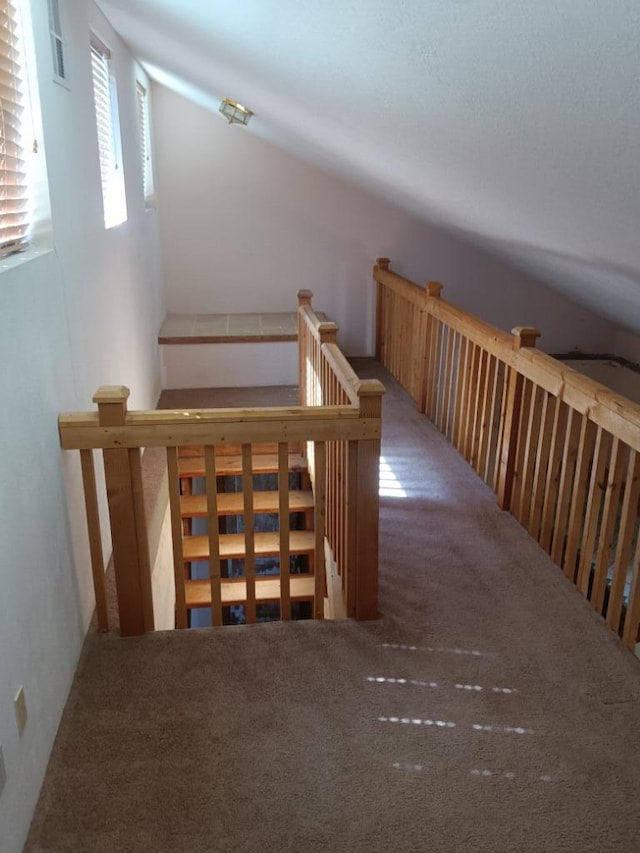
point(514, 123)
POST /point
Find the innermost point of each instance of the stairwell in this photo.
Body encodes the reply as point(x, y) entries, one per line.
point(250, 518)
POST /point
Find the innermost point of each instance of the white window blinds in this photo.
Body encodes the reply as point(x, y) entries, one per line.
point(57, 46)
point(102, 99)
point(14, 204)
point(105, 100)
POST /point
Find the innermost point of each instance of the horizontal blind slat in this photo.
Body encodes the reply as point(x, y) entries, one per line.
point(14, 204)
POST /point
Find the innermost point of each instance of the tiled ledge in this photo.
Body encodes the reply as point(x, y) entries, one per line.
point(228, 328)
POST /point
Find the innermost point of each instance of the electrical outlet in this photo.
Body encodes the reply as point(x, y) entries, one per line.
point(3, 772)
point(20, 706)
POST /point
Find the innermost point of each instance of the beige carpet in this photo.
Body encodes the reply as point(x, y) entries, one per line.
point(488, 709)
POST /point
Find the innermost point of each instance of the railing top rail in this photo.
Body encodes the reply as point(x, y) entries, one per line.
point(84, 430)
point(346, 374)
point(613, 412)
point(402, 286)
point(319, 328)
point(325, 334)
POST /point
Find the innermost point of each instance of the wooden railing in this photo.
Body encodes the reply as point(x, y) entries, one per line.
point(345, 513)
point(560, 450)
point(327, 379)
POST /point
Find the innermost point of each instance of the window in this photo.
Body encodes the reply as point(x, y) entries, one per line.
point(108, 127)
point(144, 135)
point(14, 200)
point(57, 47)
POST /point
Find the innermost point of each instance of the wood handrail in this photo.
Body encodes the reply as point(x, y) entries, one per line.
point(326, 377)
point(611, 411)
point(82, 430)
point(561, 451)
point(325, 334)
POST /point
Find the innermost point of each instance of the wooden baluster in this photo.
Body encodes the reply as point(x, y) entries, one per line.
point(95, 537)
point(387, 338)
point(522, 337)
point(404, 344)
point(342, 509)
point(176, 537)
point(592, 513)
point(529, 437)
point(541, 470)
point(626, 533)
point(486, 416)
point(552, 485)
point(527, 409)
point(367, 473)
point(478, 408)
point(576, 511)
point(215, 572)
point(319, 568)
point(381, 264)
point(128, 524)
point(425, 404)
point(350, 564)
point(498, 421)
point(283, 517)
point(431, 359)
point(453, 343)
point(395, 335)
point(419, 344)
point(610, 514)
point(458, 414)
point(445, 366)
point(249, 535)
point(632, 616)
point(565, 486)
point(472, 390)
point(304, 299)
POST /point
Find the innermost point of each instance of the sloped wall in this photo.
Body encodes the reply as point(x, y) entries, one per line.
point(244, 225)
point(81, 312)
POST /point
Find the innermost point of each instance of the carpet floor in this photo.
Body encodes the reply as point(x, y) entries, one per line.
point(488, 709)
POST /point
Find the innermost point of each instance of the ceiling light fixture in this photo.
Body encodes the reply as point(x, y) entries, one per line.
point(234, 113)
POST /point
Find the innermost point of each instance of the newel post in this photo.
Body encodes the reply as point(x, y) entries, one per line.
point(523, 336)
point(304, 299)
point(123, 477)
point(362, 588)
point(381, 264)
point(424, 348)
point(328, 332)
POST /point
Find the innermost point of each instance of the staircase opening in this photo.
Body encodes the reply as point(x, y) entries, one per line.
point(273, 509)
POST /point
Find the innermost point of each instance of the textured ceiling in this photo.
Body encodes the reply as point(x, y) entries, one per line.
point(517, 124)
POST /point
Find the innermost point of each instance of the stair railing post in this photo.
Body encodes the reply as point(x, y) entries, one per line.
point(523, 336)
point(126, 514)
point(364, 493)
point(424, 345)
point(328, 334)
point(381, 264)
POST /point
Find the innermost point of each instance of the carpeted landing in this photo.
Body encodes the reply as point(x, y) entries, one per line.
point(488, 709)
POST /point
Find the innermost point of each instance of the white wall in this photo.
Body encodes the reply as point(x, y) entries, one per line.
point(620, 379)
point(244, 225)
point(238, 365)
point(627, 345)
point(73, 317)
